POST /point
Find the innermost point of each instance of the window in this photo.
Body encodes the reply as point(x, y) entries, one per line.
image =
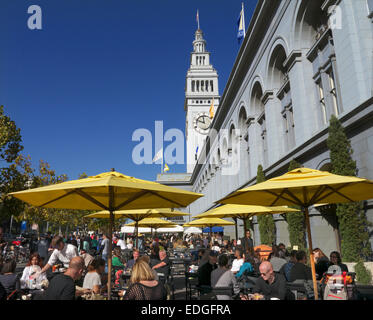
point(322, 101)
point(263, 134)
point(212, 85)
point(202, 86)
point(333, 92)
point(193, 85)
point(370, 8)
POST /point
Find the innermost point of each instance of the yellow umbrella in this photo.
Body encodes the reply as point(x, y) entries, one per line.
point(208, 222)
point(138, 215)
point(244, 212)
point(153, 223)
point(109, 191)
point(304, 187)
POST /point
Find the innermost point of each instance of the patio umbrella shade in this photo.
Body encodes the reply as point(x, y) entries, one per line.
point(139, 215)
point(152, 223)
point(208, 222)
point(244, 212)
point(304, 187)
point(109, 191)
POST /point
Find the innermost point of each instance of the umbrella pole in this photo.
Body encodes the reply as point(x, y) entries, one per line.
point(137, 234)
point(244, 226)
point(109, 253)
point(311, 253)
point(236, 227)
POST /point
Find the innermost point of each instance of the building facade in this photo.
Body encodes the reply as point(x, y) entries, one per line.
point(300, 62)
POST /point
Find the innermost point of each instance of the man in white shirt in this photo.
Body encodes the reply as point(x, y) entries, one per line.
point(238, 262)
point(122, 244)
point(63, 252)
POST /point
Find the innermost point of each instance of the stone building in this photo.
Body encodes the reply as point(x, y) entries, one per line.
point(300, 62)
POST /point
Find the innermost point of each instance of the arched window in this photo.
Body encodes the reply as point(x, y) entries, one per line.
point(259, 109)
point(212, 85)
point(312, 31)
point(193, 85)
point(279, 80)
point(202, 85)
point(197, 85)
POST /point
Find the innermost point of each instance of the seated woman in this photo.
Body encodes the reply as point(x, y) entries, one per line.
point(8, 278)
point(92, 279)
point(32, 271)
point(335, 259)
point(116, 260)
point(321, 263)
point(143, 284)
point(247, 267)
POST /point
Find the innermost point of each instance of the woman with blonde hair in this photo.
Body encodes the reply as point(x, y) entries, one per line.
point(143, 285)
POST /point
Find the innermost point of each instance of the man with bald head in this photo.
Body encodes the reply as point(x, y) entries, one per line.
point(270, 284)
point(62, 286)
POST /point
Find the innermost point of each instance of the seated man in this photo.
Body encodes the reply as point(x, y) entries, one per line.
point(164, 264)
point(136, 255)
point(238, 262)
point(270, 284)
point(62, 286)
point(204, 271)
point(223, 277)
point(300, 271)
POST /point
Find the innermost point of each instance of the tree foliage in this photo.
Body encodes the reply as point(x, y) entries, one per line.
point(267, 226)
point(353, 224)
point(296, 220)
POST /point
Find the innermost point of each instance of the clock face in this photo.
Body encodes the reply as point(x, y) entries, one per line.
point(202, 123)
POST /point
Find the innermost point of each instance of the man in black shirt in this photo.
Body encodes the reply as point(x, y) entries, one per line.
point(300, 271)
point(164, 264)
point(270, 284)
point(204, 271)
point(62, 286)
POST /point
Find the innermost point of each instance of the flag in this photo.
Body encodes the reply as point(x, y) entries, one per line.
point(241, 26)
point(158, 156)
point(166, 168)
point(212, 109)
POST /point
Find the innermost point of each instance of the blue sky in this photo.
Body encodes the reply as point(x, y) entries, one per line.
point(100, 69)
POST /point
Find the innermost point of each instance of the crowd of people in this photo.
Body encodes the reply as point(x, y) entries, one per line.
point(81, 263)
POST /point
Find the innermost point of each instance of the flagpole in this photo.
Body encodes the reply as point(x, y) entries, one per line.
point(198, 18)
point(243, 18)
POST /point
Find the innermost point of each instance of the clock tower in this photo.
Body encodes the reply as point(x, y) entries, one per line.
point(201, 91)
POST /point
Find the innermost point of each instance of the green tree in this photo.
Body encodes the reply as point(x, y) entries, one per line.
point(296, 220)
point(353, 224)
point(267, 226)
point(14, 168)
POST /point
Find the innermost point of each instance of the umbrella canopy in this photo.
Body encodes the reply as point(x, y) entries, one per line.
point(304, 187)
point(154, 223)
point(208, 222)
point(244, 212)
point(93, 193)
point(190, 230)
point(139, 214)
point(109, 191)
